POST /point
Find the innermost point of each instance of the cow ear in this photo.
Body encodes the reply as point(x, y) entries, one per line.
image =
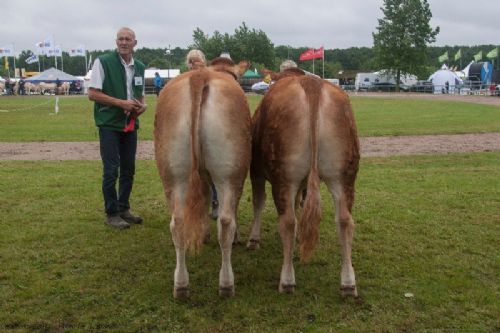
point(242, 67)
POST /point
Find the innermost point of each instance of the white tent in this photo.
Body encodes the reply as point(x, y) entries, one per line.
point(444, 80)
point(52, 75)
point(149, 73)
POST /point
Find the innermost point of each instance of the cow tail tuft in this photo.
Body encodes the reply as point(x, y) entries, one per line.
point(311, 214)
point(195, 209)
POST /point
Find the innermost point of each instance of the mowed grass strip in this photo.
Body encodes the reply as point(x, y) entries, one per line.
point(426, 225)
point(32, 118)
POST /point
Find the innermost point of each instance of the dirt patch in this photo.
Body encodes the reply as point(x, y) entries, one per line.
point(370, 146)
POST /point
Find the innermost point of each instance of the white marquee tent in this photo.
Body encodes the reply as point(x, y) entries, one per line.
point(51, 75)
point(444, 80)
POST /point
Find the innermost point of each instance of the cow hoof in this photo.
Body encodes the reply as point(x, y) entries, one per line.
point(349, 291)
point(226, 292)
point(181, 292)
point(253, 244)
point(287, 288)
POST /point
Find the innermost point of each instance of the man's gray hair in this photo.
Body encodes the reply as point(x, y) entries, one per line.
point(287, 64)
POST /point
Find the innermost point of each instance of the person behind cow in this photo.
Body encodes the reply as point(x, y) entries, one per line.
point(158, 83)
point(22, 90)
point(195, 59)
point(287, 64)
point(8, 87)
point(117, 88)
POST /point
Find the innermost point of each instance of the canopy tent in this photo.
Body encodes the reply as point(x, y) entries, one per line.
point(149, 73)
point(444, 80)
point(249, 74)
point(52, 75)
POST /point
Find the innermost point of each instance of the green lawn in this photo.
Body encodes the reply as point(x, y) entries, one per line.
point(426, 225)
point(32, 118)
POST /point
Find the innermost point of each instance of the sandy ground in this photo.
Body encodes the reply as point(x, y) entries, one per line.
point(370, 146)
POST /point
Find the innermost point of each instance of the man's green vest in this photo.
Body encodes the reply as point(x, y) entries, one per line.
point(112, 117)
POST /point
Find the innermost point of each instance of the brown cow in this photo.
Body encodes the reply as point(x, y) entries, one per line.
point(303, 132)
point(203, 134)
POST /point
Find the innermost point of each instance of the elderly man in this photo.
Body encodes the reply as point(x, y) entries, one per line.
point(117, 88)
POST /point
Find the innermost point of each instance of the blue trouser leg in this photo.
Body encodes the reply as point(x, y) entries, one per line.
point(128, 148)
point(214, 192)
point(118, 151)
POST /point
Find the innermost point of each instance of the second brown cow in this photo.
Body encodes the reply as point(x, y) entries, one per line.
point(303, 133)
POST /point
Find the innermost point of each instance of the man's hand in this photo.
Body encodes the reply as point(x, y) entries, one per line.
point(133, 106)
point(142, 107)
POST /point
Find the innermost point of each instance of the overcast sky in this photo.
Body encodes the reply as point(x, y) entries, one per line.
point(311, 23)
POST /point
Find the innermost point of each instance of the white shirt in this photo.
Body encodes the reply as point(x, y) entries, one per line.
point(97, 76)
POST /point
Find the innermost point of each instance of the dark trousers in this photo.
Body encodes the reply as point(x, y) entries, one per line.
point(118, 160)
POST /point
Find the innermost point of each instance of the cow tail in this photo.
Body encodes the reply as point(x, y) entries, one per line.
point(195, 209)
point(311, 213)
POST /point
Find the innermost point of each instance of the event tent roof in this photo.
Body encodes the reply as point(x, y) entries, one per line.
point(444, 80)
point(249, 74)
point(51, 75)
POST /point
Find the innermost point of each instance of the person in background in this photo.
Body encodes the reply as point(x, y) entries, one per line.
point(158, 83)
point(22, 90)
point(117, 88)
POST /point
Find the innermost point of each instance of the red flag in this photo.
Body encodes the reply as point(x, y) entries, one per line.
point(312, 54)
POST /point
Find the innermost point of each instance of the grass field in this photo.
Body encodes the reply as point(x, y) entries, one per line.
point(33, 119)
point(425, 225)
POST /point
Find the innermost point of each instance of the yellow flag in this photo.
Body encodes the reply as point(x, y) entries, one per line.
point(478, 56)
point(6, 62)
point(493, 53)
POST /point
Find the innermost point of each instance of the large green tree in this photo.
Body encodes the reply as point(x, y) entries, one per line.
point(402, 37)
point(244, 44)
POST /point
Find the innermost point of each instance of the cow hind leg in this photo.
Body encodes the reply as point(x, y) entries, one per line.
point(226, 230)
point(345, 229)
point(181, 276)
point(284, 198)
point(258, 201)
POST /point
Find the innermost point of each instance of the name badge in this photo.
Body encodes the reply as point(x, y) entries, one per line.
point(138, 80)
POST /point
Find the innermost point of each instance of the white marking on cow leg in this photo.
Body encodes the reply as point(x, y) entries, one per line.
point(226, 228)
point(258, 200)
point(345, 229)
point(287, 222)
point(181, 276)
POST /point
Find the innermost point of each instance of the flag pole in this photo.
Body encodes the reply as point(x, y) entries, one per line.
point(14, 55)
point(313, 59)
point(323, 62)
point(85, 67)
point(54, 50)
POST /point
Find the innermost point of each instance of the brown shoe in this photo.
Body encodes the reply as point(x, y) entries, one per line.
point(128, 217)
point(116, 222)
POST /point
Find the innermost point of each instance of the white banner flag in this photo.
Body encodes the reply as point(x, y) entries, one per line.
point(32, 59)
point(38, 49)
point(45, 47)
point(77, 51)
point(56, 51)
point(7, 50)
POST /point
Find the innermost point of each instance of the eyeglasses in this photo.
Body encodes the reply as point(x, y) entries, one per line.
point(124, 39)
